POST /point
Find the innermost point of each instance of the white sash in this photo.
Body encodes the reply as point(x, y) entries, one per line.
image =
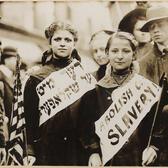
point(131, 103)
point(62, 88)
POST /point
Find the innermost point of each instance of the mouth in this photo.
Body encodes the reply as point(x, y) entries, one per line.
point(62, 49)
point(119, 63)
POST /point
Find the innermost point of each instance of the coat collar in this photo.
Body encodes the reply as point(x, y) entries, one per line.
point(158, 50)
point(108, 80)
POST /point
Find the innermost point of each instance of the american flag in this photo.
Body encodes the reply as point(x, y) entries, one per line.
point(17, 130)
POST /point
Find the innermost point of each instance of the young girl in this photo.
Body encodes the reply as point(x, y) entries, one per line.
point(55, 141)
point(120, 49)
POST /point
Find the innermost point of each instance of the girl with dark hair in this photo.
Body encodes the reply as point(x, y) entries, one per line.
point(54, 142)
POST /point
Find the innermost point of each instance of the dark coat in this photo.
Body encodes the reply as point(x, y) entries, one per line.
point(100, 73)
point(93, 105)
point(2, 117)
point(6, 89)
point(56, 141)
point(152, 67)
point(143, 50)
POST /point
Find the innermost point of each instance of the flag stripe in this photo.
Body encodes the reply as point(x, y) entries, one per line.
point(17, 146)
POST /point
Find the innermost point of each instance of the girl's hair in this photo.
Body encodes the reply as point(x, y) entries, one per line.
point(60, 25)
point(108, 32)
point(125, 36)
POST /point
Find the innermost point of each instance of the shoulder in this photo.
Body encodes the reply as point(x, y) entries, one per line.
point(148, 55)
point(43, 71)
point(89, 96)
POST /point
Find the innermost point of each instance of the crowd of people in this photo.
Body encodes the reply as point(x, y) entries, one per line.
point(107, 124)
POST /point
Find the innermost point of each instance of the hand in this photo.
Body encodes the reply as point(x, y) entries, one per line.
point(149, 156)
point(2, 156)
point(95, 160)
point(29, 161)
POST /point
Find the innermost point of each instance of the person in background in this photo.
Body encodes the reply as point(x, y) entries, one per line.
point(7, 74)
point(55, 142)
point(2, 123)
point(98, 43)
point(153, 66)
point(132, 22)
point(143, 4)
point(7, 70)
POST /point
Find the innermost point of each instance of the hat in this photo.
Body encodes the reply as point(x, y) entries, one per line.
point(153, 14)
point(130, 19)
point(8, 52)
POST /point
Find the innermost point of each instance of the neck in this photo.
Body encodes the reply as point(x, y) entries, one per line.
point(60, 57)
point(61, 61)
point(141, 44)
point(121, 72)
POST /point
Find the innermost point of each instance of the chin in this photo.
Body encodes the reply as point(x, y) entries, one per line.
point(63, 55)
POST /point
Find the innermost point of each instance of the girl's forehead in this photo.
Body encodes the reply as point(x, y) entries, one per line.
point(119, 41)
point(63, 33)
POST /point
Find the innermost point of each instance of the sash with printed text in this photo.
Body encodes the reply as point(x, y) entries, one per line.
point(131, 103)
point(62, 88)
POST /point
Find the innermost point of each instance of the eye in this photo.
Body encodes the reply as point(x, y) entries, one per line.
point(95, 51)
point(126, 50)
point(151, 27)
point(57, 39)
point(68, 40)
point(102, 49)
point(114, 50)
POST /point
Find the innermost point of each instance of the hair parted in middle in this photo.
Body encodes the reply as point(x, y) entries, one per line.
point(107, 32)
point(60, 25)
point(125, 36)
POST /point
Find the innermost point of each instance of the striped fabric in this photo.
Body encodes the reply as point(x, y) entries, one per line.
point(17, 141)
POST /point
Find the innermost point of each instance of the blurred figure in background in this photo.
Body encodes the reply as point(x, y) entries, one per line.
point(98, 43)
point(132, 22)
point(143, 4)
point(2, 124)
point(7, 73)
point(153, 66)
point(7, 69)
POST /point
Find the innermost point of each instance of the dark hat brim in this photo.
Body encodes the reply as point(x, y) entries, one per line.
point(128, 19)
point(150, 21)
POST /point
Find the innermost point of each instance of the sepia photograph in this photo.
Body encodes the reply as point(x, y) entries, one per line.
point(83, 83)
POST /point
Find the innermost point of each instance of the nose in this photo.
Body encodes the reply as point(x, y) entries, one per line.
point(120, 55)
point(99, 53)
point(62, 43)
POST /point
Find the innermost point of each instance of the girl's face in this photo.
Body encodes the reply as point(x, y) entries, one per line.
point(141, 37)
point(62, 43)
point(98, 46)
point(120, 54)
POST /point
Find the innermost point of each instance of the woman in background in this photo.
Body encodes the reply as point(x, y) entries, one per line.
point(132, 22)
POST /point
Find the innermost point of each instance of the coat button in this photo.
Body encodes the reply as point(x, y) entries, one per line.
point(65, 138)
point(108, 98)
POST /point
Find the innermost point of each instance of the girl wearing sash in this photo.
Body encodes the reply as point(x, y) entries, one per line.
point(120, 49)
point(55, 141)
